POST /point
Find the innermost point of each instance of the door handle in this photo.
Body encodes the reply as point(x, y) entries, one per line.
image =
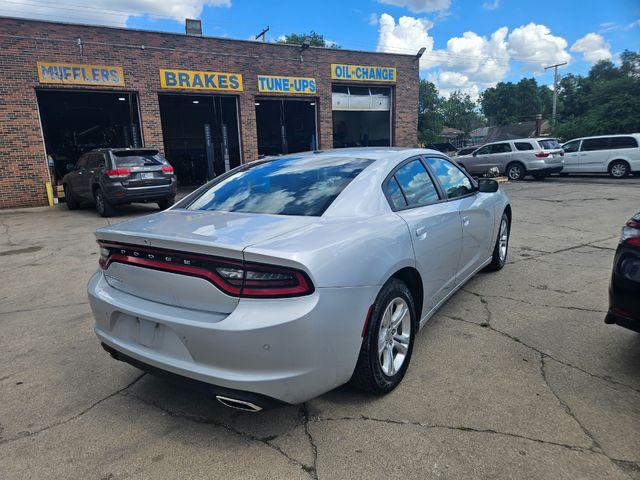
point(465, 221)
point(421, 232)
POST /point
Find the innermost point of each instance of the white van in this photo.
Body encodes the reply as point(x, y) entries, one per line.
point(617, 155)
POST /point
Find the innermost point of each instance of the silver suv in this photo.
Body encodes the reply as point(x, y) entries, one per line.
point(516, 159)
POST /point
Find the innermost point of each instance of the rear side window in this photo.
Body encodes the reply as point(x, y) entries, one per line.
point(395, 194)
point(287, 186)
point(549, 144)
point(623, 142)
point(416, 184)
point(138, 158)
point(591, 144)
point(523, 146)
point(452, 179)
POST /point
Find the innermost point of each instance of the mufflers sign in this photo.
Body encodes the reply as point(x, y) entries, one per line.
point(194, 80)
point(362, 73)
point(77, 74)
point(276, 84)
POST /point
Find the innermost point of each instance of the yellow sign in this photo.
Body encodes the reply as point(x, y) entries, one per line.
point(192, 80)
point(275, 84)
point(77, 74)
point(362, 73)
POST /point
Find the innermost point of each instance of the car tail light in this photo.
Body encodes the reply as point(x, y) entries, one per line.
point(542, 155)
point(234, 277)
point(167, 169)
point(631, 232)
point(118, 172)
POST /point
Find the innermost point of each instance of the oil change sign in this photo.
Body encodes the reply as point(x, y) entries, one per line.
point(362, 73)
point(274, 84)
point(77, 74)
point(192, 80)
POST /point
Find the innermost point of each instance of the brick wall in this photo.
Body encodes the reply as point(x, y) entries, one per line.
point(23, 168)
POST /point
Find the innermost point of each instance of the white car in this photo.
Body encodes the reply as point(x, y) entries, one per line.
point(617, 155)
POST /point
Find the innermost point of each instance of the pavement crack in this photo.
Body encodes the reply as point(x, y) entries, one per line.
point(47, 307)
point(540, 352)
point(513, 299)
point(460, 428)
point(595, 445)
point(209, 421)
point(74, 417)
point(304, 414)
point(567, 249)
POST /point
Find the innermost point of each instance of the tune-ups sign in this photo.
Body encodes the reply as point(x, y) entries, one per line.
point(362, 73)
point(275, 84)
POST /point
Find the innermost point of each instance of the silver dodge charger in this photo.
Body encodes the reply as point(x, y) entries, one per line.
point(287, 277)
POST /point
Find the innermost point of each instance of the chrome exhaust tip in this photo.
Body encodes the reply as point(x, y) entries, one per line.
point(238, 404)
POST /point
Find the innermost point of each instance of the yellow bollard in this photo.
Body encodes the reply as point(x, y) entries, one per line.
point(49, 193)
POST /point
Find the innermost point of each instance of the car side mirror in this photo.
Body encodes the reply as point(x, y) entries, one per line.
point(487, 185)
point(70, 167)
point(474, 154)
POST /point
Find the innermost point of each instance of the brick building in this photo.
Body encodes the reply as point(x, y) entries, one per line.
point(208, 104)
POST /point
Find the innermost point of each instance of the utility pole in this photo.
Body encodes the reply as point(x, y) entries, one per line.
point(555, 89)
point(263, 34)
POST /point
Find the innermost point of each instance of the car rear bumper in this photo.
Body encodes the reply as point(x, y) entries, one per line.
point(624, 289)
point(286, 350)
point(117, 194)
point(545, 169)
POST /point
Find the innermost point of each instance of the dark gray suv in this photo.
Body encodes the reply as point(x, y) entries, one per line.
point(116, 176)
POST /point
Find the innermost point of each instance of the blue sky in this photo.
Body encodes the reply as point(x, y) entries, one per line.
point(470, 44)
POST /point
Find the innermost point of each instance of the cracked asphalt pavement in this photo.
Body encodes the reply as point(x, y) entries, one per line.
point(515, 377)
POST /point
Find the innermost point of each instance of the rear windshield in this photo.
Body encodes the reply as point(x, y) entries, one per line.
point(287, 186)
point(550, 144)
point(138, 158)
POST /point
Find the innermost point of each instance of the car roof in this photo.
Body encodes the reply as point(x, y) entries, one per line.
point(605, 136)
point(371, 153)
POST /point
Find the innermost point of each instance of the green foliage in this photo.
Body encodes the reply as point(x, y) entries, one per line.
point(434, 112)
point(316, 39)
point(606, 101)
point(509, 102)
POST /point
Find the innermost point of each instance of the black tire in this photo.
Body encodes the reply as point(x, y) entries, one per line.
point(166, 203)
point(498, 260)
point(104, 208)
point(368, 374)
point(515, 171)
point(70, 199)
point(619, 169)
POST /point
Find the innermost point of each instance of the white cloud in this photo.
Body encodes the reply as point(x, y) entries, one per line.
point(593, 46)
point(420, 6)
point(629, 26)
point(112, 12)
point(491, 5)
point(449, 82)
point(407, 36)
point(536, 47)
point(372, 19)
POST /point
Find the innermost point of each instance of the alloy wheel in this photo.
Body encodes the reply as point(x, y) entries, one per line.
point(503, 240)
point(619, 170)
point(515, 172)
point(394, 336)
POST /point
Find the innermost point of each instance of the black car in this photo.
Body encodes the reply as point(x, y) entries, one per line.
point(624, 290)
point(116, 176)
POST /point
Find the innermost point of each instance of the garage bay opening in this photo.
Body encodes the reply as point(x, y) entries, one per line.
point(361, 116)
point(285, 126)
point(200, 133)
point(74, 122)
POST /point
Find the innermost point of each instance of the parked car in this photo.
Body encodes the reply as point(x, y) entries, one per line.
point(617, 155)
point(290, 276)
point(624, 289)
point(115, 176)
point(516, 159)
point(467, 150)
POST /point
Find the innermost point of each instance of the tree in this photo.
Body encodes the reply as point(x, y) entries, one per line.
point(316, 40)
point(606, 101)
point(509, 102)
point(460, 112)
point(429, 113)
